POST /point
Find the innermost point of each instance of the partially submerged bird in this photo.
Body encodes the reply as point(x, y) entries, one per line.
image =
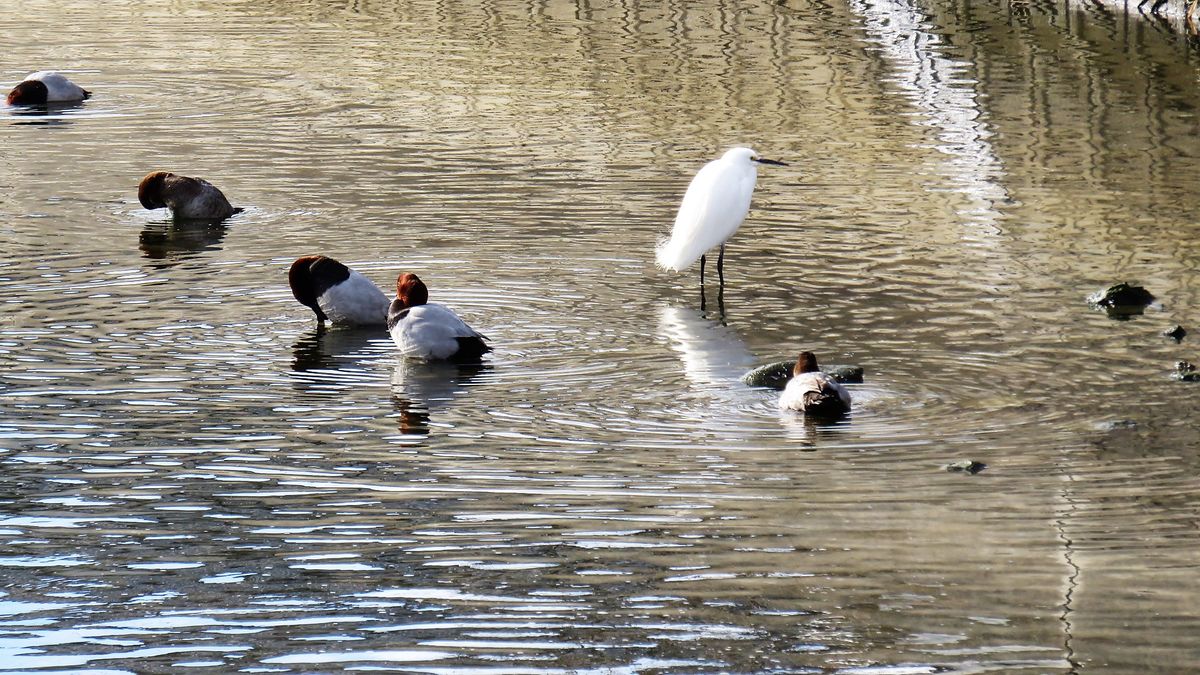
point(46, 86)
point(187, 198)
point(814, 392)
point(427, 330)
point(337, 293)
point(714, 206)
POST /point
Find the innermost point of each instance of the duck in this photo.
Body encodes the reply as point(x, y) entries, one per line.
point(46, 86)
point(428, 330)
point(336, 293)
point(713, 208)
point(187, 198)
point(814, 392)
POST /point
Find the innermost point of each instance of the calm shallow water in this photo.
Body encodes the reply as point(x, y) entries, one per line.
point(195, 479)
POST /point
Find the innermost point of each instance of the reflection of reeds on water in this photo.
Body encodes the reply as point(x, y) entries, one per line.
point(172, 242)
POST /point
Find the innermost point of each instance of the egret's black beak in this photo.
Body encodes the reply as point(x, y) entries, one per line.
point(771, 161)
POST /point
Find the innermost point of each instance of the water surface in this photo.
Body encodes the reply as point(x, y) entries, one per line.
point(198, 479)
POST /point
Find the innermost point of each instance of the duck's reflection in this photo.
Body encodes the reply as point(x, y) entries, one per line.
point(330, 348)
point(46, 114)
point(423, 387)
point(171, 242)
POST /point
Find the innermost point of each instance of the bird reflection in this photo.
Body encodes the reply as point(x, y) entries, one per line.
point(712, 353)
point(323, 348)
point(45, 115)
point(422, 387)
point(172, 242)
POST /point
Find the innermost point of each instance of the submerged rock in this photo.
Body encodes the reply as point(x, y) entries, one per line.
point(966, 466)
point(776, 375)
point(1186, 372)
point(1175, 333)
point(1122, 300)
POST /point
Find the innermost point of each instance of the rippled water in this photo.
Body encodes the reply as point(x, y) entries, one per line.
point(196, 479)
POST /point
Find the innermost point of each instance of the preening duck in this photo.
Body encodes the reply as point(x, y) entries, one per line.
point(336, 293)
point(427, 330)
point(187, 198)
point(46, 86)
point(814, 392)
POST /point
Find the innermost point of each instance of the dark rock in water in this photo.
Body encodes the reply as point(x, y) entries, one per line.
point(1175, 333)
point(846, 374)
point(966, 466)
point(1186, 372)
point(1122, 300)
point(776, 375)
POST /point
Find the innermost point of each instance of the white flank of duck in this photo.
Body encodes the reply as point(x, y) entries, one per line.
point(431, 331)
point(814, 392)
point(46, 86)
point(337, 293)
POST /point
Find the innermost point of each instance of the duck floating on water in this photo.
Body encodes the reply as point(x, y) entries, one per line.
point(814, 392)
point(187, 198)
point(46, 86)
point(428, 330)
point(336, 293)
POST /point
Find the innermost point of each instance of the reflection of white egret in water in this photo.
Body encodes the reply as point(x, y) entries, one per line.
point(423, 387)
point(942, 90)
point(713, 355)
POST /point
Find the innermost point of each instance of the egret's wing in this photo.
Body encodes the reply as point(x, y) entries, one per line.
point(714, 206)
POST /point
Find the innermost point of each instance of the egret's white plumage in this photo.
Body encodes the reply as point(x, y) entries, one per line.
point(428, 330)
point(714, 206)
point(814, 392)
point(337, 293)
point(53, 88)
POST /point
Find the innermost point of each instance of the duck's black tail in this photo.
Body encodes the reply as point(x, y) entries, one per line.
point(824, 404)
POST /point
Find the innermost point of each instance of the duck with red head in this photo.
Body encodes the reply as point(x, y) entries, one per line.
point(187, 198)
point(428, 330)
point(814, 392)
point(336, 293)
point(46, 87)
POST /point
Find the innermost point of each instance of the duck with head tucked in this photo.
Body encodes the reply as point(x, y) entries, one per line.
point(814, 392)
point(336, 293)
point(428, 330)
point(187, 198)
point(45, 87)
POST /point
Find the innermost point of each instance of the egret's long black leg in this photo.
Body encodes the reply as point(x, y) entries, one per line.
point(721, 266)
point(701, 270)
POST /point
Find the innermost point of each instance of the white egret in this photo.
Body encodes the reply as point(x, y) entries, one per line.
point(428, 330)
point(814, 392)
point(187, 198)
point(337, 293)
point(46, 86)
point(714, 206)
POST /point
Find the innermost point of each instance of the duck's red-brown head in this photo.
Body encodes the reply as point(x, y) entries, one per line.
point(150, 190)
point(806, 363)
point(29, 92)
point(410, 290)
